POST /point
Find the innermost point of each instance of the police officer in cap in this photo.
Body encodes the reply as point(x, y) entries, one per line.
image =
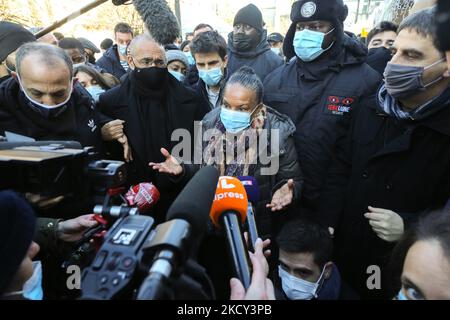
point(323, 82)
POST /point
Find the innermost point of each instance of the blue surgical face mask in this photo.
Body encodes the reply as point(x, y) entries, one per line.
point(211, 77)
point(235, 121)
point(308, 44)
point(95, 92)
point(190, 58)
point(298, 289)
point(122, 49)
point(180, 77)
point(32, 288)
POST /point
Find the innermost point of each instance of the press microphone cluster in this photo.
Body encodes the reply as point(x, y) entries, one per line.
point(170, 248)
point(136, 252)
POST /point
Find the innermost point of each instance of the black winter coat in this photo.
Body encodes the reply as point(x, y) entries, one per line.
point(110, 62)
point(384, 163)
point(261, 59)
point(80, 122)
point(184, 108)
point(318, 96)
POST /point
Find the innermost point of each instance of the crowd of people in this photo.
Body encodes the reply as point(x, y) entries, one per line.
point(358, 205)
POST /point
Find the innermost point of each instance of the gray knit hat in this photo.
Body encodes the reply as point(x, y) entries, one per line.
point(177, 55)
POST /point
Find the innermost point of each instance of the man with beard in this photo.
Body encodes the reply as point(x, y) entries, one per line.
point(152, 105)
point(248, 46)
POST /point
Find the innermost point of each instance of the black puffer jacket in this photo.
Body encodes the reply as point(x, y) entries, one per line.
point(261, 59)
point(318, 96)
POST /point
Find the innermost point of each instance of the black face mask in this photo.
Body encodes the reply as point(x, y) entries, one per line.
point(243, 42)
point(153, 78)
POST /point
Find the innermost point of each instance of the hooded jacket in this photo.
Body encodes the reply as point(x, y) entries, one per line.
point(261, 59)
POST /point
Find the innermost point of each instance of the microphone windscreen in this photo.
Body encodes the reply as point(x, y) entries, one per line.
point(251, 187)
point(194, 203)
point(159, 20)
point(143, 196)
point(230, 196)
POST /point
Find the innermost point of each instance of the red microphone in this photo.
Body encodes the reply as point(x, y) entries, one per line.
point(143, 196)
point(229, 211)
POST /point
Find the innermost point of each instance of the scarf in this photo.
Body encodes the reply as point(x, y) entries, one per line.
point(392, 108)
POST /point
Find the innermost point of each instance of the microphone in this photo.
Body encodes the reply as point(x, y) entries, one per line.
point(143, 196)
point(229, 211)
point(188, 216)
point(251, 188)
point(159, 20)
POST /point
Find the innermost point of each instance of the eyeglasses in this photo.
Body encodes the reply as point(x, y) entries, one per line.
point(149, 62)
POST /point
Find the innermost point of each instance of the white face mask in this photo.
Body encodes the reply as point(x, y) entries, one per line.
point(44, 106)
point(298, 289)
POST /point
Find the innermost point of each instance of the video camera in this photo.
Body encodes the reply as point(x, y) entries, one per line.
point(57, 168)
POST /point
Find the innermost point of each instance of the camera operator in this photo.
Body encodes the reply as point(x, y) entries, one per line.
point(24, 238)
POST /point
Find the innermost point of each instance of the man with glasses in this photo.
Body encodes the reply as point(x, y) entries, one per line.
point(248, 46)
point(151, 105)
